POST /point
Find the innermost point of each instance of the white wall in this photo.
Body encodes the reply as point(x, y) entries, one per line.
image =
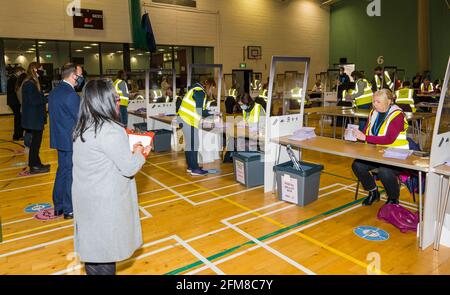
point(47, 19)
point(296, 28)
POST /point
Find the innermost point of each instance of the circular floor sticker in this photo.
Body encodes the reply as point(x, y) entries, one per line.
point(37, 207)
point(46, 214)
point(371, 233)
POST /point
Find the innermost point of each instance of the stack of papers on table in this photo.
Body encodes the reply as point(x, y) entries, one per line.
point(303, 133)
point(395, 153)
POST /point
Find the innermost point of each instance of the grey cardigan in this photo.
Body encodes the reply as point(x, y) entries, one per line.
point(104, 195)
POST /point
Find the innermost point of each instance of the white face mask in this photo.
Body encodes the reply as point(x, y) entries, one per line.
point(244, 107)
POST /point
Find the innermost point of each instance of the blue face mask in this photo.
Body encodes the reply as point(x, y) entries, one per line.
point(244, 107)
point(79, 80)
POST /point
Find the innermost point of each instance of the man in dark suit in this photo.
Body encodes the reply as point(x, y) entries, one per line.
point(63, 106)
point(14, 103)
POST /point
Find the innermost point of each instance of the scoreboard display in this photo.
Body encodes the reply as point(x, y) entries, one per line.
point(88, 19)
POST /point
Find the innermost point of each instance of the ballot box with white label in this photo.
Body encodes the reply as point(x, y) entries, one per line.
point(300, 187)
point(249, 168)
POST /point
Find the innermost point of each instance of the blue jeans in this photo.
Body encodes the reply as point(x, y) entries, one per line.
point(124, 115)
point(62, 189)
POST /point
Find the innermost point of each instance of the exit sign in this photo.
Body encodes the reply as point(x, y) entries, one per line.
point(243, 65)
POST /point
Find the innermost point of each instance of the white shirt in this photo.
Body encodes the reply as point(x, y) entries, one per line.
point(69, 84)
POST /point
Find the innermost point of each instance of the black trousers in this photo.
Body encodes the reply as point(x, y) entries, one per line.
point(18, 131)
point(36, 140)
point(103, 269)
point(387, 175)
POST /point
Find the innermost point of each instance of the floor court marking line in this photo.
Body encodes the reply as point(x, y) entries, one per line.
point(28, 176)
point(223, 229)
point(17, 221)
point(198, 255)
point(38, 228)
point(230, 257)
point(146, 245)
point(36, 234)
point(278, 232)
point(34, 247)
point(19, 168)
point(303, 236)
point(166, 187)
point(189, 240)
point(189, 183)
point(270, 249)
point(178, 241)
point(178, 185)
point(145, 212)
point(44, 244)
point(25, 187)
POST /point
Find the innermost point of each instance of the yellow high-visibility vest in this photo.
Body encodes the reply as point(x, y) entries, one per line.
point(366, 97)
point(123, 99)
point(232, 92)
point(188, 111)
point(157, 93)
point(405, 96)
point(345, 92)
point(387, 79)
point(209, 102)
point(429, 88)
point(255, 114)
point(400, 142)
point(256, 85)
point(296, 92)
point(263, 94)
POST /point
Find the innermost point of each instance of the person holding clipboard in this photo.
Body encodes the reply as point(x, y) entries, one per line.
point(106, 212)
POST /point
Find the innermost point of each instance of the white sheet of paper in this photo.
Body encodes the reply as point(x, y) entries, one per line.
point(349, 132)
point(289, 190)
point(240, 174)
point(133, 138)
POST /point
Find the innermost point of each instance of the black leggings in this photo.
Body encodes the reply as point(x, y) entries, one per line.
point(100, 268)
point(387, 174)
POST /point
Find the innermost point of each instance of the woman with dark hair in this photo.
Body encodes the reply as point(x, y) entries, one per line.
point(34, 115)
point(362, 96)
point(104, 194)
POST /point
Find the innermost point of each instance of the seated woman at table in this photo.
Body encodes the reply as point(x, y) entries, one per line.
point(386, 127)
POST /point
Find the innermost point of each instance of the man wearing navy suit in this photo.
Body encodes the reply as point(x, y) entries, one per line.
point(63, 105)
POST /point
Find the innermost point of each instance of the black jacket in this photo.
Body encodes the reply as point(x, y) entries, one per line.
point(11, 96)
point(34, 115)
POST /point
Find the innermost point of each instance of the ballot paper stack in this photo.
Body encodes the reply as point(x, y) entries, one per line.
point(303, 133)
point(396, 153)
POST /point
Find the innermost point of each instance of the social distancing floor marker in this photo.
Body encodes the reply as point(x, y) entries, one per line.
point(259, 215)
point(270, 220)
point(65, 222)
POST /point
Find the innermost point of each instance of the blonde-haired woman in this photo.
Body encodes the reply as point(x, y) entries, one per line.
point(386, 126)
point(34, 115)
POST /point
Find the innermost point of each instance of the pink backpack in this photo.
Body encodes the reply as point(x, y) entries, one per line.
point(399, 217)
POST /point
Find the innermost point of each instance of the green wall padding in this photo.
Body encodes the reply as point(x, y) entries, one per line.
point(440, 37)
point(360, 38)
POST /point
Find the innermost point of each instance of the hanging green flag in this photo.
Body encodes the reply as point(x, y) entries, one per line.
point(139, 33)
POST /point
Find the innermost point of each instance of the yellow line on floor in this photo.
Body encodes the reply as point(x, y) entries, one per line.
point(303, 236)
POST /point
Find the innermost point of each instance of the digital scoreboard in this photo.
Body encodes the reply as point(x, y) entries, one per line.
point(88, 19)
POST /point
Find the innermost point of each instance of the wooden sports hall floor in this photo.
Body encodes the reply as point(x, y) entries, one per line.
point(212, 225)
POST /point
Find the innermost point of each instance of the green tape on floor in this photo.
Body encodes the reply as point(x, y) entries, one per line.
point(265, 237)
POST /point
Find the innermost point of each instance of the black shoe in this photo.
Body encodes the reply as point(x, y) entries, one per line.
point(46, 166)
point(58, 212)
point(68, 215)
point(17, 138)
point(392, 201)
point(39, 169)
point(374, 196)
